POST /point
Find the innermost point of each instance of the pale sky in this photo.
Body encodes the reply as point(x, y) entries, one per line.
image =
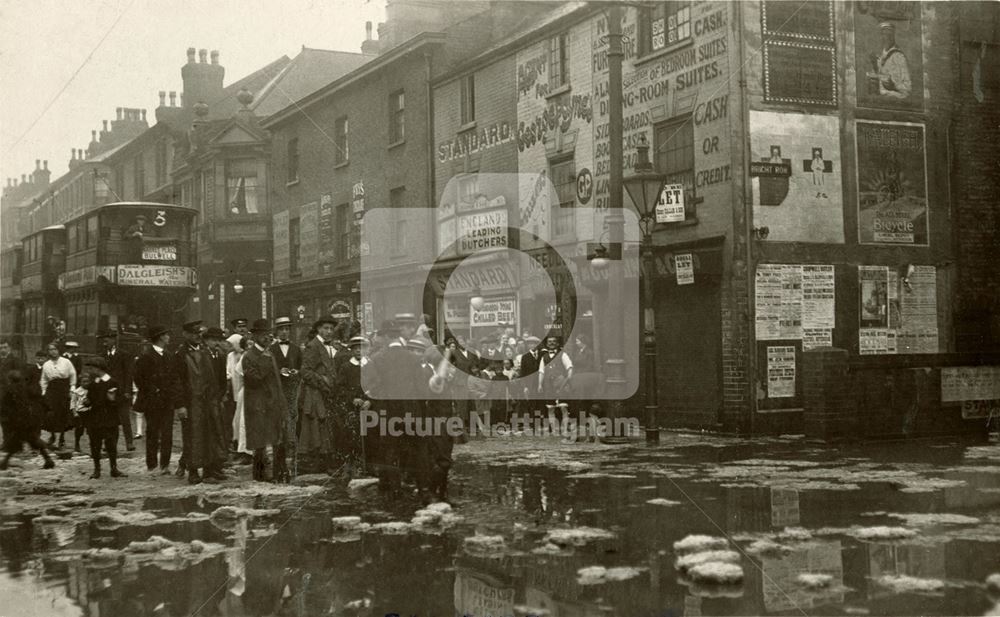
point(44, 42)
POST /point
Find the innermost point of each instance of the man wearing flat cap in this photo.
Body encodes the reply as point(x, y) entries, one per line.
point(198, 406)
point(239, 326)
point(157, 381)
point(288, 356)
point(264, 404)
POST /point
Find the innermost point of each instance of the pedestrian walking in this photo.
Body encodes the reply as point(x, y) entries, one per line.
point(319, 380)
point(102, 418)
point(198, 406)
point(21, 411)
point(554, 373)
point(120, 367)
point(265, 407)
point(57, 379)
point(156, 381)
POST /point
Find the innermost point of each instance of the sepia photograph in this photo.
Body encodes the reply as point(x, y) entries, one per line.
point(499, 308)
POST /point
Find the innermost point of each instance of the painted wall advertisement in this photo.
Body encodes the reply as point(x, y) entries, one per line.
point(889, 57)
point(309, 238)
point(892, 183)
point(155, 276)
point(795, 302)
point(897, 314)
point(796, 176)
point(799, 55)
point(281, 248)
point(326, 231)
point(781, 372)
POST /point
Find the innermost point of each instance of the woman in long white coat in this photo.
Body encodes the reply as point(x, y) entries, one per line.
point(235, 374)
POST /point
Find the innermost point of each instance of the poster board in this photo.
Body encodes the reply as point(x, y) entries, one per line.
point(888, 51)
point(897, 314)
point(892, 183)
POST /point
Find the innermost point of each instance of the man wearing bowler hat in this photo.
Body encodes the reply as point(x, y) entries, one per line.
point(264, 403)
point(157, 383)
point(198, 406)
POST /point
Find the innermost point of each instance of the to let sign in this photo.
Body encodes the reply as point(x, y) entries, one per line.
point(670, 207)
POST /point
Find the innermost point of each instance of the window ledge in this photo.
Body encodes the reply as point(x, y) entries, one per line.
point(294, 274)
point(563, 89)
point(685, 223)
point(291, 182)
point(656, 55)
point(468, 126)
point(342, 164)
point(395, 144)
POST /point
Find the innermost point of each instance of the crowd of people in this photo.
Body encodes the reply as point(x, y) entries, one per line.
point(254, 396)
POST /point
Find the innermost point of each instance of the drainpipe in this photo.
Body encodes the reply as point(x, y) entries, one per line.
point(746, 199)
point(431, 189)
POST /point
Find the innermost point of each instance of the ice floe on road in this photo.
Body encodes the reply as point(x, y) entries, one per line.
point(598, 575)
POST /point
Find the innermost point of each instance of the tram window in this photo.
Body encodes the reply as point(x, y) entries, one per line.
point(92, 231)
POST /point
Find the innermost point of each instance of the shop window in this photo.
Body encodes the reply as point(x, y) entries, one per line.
point(294, 245)
point(674, 156)
point(468, 190)
point(397, 113)
point(663, 24)
point(92, 231)
point(468, 99)
point(563, 176)
point(241, 187)
point(559, 61)
point(71, 238)
point(341, 140)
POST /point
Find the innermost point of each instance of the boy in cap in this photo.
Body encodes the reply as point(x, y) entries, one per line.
point(101, 421)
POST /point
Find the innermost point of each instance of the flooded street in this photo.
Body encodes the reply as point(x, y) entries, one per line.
point(539, 527)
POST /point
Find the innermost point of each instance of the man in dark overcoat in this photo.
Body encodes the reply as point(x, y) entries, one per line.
point(264, 403)
point(119, 366)
point(156, 382)
point(198, 405)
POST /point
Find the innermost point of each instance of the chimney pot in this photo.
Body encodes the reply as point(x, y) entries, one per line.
point(24, 178)
point(118, 110)
point(215, 56)
point(173, 99)
point(180, 97)
point(74, 154)
point(93, 135)
point(202, 56)
point(45, 165)
point(15, 182)
point(190, 53)
point(368, 30)
point(163, 98)
point(105, 126)
point(38, 164)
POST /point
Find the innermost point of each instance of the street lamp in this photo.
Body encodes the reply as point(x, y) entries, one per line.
point(237, 287)
point(476, 300)
point(644, 188)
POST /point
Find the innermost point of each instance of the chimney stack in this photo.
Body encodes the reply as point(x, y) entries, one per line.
point(202, 80)
point(368, 46)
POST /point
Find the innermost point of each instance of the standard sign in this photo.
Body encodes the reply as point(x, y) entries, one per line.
point(155, 276)
point(494, 313)
point(670, 207)
point(482, 231)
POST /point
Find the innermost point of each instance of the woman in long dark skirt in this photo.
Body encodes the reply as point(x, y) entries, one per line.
point(350, 401)
point(58, 378)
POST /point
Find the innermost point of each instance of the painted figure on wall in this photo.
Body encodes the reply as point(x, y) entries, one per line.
point(890, 74)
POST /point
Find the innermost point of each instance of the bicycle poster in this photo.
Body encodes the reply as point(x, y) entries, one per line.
point(892, 183)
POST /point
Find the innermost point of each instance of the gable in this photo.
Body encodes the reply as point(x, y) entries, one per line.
point(236, 135)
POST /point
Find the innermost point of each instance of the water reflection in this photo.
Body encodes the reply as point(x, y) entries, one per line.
point(295, 565)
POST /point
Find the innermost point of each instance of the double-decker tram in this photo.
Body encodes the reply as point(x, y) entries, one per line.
point(128, 266)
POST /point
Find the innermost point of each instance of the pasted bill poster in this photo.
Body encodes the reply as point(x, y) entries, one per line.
point(796, 175)
point(888, 50)
point(781, 372)
point(970, 383)
point(892, 183)
point(684, 265)
point(795, 302)
point(898, 314)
